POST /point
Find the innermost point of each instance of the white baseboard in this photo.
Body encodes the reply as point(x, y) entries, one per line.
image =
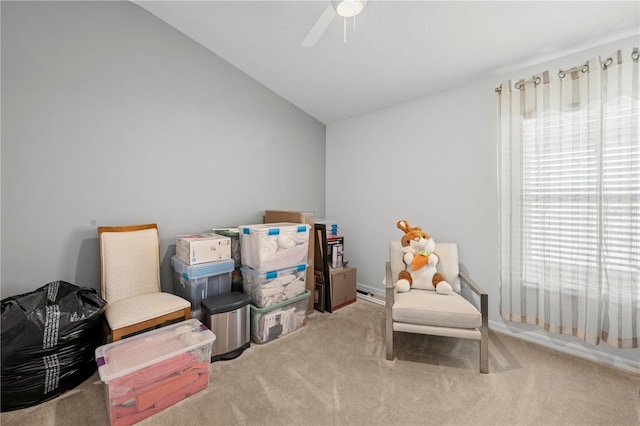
point(575, 349)
point(370, 298)
point(369, 293)
point(370, 289)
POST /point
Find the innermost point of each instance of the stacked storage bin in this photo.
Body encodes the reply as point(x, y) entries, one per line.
point(202, 268)
point(273, 274)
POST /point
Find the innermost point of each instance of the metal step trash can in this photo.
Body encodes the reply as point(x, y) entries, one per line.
point(228, 317)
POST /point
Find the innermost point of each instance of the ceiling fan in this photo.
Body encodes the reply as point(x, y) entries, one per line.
point(343, 8)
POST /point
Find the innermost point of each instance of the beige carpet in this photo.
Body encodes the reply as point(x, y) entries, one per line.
point(333, 372)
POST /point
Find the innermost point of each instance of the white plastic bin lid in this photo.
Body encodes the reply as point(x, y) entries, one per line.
point(133, 353)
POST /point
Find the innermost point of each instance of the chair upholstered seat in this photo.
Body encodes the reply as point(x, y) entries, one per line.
point(430, 308)
point(132, 310)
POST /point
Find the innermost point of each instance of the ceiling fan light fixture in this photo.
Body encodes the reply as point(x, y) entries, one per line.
point(348, 8)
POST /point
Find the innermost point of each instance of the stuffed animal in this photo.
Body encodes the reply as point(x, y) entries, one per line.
point(420, 261)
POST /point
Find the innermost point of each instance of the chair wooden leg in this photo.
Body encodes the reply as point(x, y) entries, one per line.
point(116, 335)
point(106, 330)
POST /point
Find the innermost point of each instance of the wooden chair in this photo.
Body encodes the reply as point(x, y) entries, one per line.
point(130, 281)
point(426, 312)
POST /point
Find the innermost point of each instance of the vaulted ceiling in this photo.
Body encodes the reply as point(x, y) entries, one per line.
point(399, 50)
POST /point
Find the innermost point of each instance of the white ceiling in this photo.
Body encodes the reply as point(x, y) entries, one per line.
point(400, 50)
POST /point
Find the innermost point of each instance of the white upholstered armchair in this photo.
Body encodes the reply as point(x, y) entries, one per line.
point(427, 312)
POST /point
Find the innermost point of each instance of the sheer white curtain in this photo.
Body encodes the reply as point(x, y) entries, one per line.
point(569, 178)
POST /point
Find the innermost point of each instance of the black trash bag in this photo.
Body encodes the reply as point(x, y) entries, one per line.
point(48, 337)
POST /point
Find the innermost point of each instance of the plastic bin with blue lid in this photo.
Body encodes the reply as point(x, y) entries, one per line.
point(196, 283)
point(274, 246)
point(269, 288)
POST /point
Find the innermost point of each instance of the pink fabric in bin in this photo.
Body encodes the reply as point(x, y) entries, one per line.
point(152, 389)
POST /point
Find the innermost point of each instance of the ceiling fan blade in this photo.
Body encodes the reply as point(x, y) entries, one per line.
point(319, 27)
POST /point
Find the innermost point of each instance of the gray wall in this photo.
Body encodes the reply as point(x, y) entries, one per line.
point(111, 117)
point(433, 162)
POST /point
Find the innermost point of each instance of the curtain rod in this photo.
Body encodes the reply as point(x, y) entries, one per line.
point(635, 55)
point(536, 80)
point(584, 68)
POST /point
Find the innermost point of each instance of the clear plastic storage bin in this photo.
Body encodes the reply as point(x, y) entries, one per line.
point(196, 283)
point(280, 319)
point(149, 372)
point(273, 246)
point(269, 288)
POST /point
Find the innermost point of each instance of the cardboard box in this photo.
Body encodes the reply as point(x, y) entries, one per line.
point(343, 286)
point(200, 248)
point(234, 235)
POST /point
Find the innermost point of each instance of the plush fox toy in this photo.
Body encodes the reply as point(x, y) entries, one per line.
point(420, 261)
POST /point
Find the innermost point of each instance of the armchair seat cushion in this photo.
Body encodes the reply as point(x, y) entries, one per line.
point(430, 308)
point(132, 310)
